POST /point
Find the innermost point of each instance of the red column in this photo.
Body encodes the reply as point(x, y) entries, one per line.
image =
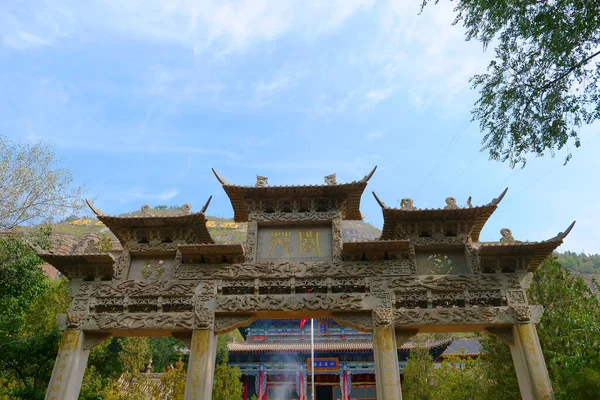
point(245, 395)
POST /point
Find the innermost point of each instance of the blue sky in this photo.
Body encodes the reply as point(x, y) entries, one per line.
point(142, 98)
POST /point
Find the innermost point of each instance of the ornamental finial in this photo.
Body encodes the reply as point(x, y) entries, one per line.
point(331, 180)
point(507, 237)
point(407, 204)
point(261, 181)
point(451, 203)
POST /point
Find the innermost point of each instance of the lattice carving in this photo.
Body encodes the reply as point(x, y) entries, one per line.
point(447, 299)
point(177, 304)
point(485, 298)
point(411, 300)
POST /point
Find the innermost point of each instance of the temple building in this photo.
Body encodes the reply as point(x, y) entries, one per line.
point(276, 355)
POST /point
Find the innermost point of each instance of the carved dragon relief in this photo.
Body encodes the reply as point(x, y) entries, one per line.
point(312, 302)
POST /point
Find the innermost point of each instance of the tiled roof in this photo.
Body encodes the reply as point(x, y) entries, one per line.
point(351, 192)
point(463, 346)
point(366, 346)
point(477, 215)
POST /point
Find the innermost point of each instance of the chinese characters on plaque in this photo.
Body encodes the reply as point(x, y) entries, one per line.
point(324, 364)
point(295, 243)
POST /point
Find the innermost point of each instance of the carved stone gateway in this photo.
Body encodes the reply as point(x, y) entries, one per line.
point(427, 273)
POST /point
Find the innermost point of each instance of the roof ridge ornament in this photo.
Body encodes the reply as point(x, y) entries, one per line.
point(205, 207)
point(331, 179)
point(407, 204)
point(146, 209)
point(262, 181)
point(507, 236)
point(96, 211)
point(219, 178)
point(498, 199)
point(367, 177)
point(469, 202)
point(381, 203)
point(451, 204)
point(564, 234)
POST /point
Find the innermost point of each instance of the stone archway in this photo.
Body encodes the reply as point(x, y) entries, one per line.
point(427, 273)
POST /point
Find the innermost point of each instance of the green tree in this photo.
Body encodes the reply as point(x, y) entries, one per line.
point(499, 370)
point(569, 330)
point(164, 350)
point(543, 83)
point(569, 334)
point(417, 374)
point(227, 383)
point(33, 188)
point(21, 281)
point(459, 378)
point(28, 350)
point(172, 383)
point(133, 358)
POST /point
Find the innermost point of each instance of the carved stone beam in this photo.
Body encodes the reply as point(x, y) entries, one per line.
point(185, 338)
point(504, 334)
point(227, 323)
point(502, 316)
point(362, 321)
point(92, 339)
point(404, 335)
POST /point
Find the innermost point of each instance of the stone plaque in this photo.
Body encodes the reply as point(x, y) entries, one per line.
point(441, 263)
point(159, 268)
point(299, 242)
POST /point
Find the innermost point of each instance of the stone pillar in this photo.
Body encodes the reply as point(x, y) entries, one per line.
point(387, 370)
point(201, 365)
point(532, 373)
point(69, 367)
point(530, 367)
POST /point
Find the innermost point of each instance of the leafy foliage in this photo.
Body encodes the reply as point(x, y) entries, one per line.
point(227, 384)
point(163, 350)
point(543, 84)
point(33, 188)
point(456, 378)
point(417, 375)
point(172, 383)
point(21, 281)
point(28, 349)
point(583, 263)
point(569, 330)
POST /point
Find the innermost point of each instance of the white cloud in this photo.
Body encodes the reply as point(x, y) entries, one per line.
point(139, 194)
point(282, 81)
point(374, 135)
point(221, 26)
point(374, 97)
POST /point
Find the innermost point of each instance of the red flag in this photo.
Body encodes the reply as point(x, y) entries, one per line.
point(303, 320)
